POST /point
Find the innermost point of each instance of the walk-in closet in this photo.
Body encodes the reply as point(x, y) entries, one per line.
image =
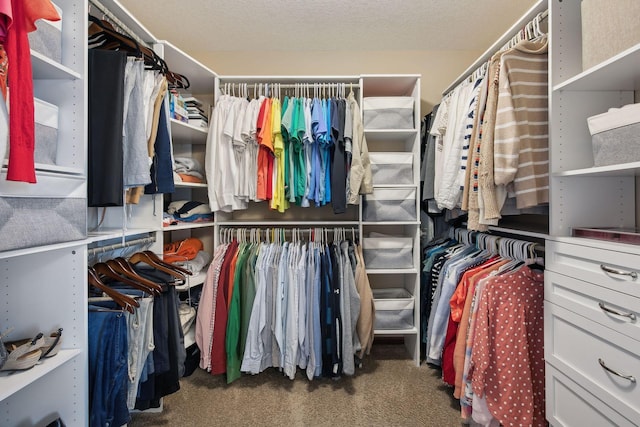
point(319, 213)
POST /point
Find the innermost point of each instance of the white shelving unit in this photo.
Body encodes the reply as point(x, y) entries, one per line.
point(189, 141)
point(397, 140)
point(43, 288)
point(584, 337)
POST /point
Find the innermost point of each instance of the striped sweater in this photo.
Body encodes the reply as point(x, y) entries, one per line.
point(521, 141)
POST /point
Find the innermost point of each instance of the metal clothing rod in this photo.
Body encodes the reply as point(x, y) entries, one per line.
point(126, 244)
point(118, 22)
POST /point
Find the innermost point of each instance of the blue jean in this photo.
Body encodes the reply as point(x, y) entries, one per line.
point(108, 375)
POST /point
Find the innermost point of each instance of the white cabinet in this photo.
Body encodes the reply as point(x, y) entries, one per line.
point(43, 288)
point(592, 290)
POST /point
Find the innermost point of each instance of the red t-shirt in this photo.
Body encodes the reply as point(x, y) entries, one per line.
point(24, 13)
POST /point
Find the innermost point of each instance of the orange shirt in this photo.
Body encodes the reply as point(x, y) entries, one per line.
point(265, 148)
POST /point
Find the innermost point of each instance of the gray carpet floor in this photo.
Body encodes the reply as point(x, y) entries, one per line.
point(388, 391)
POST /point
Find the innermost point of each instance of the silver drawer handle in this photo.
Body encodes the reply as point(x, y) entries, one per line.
point(626, 377)
point(631, 316)
point(632, 274)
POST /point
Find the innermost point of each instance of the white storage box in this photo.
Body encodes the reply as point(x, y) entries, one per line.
point(388, 112)
point(608, 28)
point(390, 204)
point(394, 308)
point(616, 135)
point(46, 132)
point(387, 252)
point(391, 168)
point(47, 38)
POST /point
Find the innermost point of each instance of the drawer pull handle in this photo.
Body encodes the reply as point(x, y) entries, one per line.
point(631, 316)
point(632, 274)
point(606, 368)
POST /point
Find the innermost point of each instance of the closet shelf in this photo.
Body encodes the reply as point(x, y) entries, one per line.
point(390, 134)
point(45, 68)
point(189, 226)
point(411, 331)
point(395, 186)
point(116, 233)
point(392, 270)
point(389, 84)
point(38, 249)
point(184, 133)
point(624, 169)
point(617, 73)
point(11, 383)
point(190, 185)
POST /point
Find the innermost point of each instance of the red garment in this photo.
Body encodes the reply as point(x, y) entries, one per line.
point(508, 349)
point(218, 346)
point(21, 116)
point(448, 371)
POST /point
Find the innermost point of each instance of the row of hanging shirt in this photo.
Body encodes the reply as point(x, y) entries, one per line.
point(287, 151)
point(490, 137)
point(285, 305)
point(482, 322)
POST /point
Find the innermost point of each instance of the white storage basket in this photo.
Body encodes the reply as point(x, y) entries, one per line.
point(391, 168)
point(390, 204)
point(388, 112)
point(394, 308)
point(388, 252)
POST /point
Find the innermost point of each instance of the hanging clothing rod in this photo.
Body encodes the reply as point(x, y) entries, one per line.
point(539, 10)
point(117, 22)
point(126, 244)
point(290, 85)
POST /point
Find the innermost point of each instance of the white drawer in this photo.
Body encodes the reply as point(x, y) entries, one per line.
point(589, 264)
point(595, 302)
point(576, 345)
point(570, 405)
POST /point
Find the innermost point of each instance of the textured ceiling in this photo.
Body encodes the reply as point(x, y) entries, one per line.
point(285, 25)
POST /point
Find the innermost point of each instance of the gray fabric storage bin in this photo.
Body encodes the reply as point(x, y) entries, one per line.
point(391, 168)
point(615, 135)
point(394, 308)
point(620, 145)
point(387, 252)
point(47, 38)
point(52, 210)
point(388, 112)
point(390, 204)
point(27, 222)
point(46, 132)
